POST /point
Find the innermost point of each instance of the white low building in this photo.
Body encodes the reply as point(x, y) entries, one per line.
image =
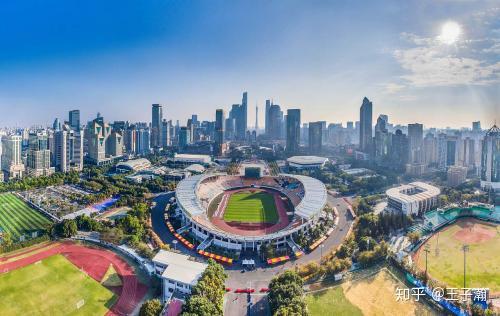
point(177, 271)
point(306, 162)
point(414, 198)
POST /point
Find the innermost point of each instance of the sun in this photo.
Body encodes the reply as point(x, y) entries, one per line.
point(450, 32)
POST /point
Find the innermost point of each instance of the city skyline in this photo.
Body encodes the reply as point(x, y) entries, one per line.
point(323, 61)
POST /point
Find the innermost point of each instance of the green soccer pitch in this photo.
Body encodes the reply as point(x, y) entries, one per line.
point(248, 207)
point(17, 217)
point(53, 286)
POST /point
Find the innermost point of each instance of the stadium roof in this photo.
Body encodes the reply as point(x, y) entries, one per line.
point(307, 160)
point(311, 204)
point(135, 164)
point(186, 195)
point(314, 196)
point(426, 191)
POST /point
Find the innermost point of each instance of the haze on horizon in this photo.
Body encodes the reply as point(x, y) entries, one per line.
point(432, 62)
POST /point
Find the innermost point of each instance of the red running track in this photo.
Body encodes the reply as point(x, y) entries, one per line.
point(255, 229)
point(95, 263)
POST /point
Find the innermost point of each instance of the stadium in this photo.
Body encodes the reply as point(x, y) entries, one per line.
point(242, 212)
point(446, 232)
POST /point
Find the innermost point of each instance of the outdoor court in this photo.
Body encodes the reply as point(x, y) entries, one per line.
point(445, 259)
point(18, 218)
point(371, 295)
point(251, 206)
point(67, 278)
point(251, 212)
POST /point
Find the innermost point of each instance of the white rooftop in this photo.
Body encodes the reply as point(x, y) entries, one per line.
point(427, 191)
point(179, 267)
point(307, 160)
point(189, 157)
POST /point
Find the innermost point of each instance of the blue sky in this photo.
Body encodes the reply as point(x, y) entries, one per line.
point(118, 57)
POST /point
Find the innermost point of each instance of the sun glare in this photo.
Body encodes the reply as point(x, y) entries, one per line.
point(450, 32)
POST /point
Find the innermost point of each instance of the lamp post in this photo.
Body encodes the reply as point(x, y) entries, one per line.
point(426, 250)
point(465, 249)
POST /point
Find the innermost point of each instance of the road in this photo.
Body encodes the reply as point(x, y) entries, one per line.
point(243, 304)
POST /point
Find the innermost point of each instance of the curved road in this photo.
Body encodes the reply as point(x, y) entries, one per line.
point(241, 304)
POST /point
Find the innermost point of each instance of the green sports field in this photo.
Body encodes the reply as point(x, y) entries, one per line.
point(17, 217)
point(248, 207)
point(445, 259)
point(53, 286)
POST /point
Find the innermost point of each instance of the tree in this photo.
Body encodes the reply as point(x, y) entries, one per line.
point(7, 240)
point(207, 296)
point(151, 308)
point(286, 294)
point(67, 228)
point(414, 237)
point(198, 305)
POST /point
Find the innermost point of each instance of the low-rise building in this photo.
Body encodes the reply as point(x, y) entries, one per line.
point(177, 272)
point(414, 198)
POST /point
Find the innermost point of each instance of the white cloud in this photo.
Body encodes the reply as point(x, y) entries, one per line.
point(391, 88)
point(470, 61)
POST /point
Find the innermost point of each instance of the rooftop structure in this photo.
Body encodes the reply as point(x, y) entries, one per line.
point(306, 162)
point(177, 271)
point(414, 198)
point(190, 159)
point(134, 165)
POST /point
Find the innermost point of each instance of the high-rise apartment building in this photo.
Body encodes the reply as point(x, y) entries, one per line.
point(490, 160)
point(38, 158)
point(416, 143)
point(293, 131)
point(12, 165)
point(366, 126)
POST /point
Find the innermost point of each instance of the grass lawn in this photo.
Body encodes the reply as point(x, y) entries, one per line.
point(17, 217)
point(329, 302)
point(445, 259)
point(52, 286)
point(248, 207)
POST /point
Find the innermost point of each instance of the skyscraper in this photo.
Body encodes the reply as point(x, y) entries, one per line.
point(293, 130)
point(12, 164)
point(38, 159)
point(416, 143)
point(256, 119)
point(476, 126)
point(67, 150)
point(382, 138)
point(275, 120)
point(490, 160)
point(315, 130)
point(268, 106)
point(184, 137)
point(219, 131)
point(399, 150)
point(74, 120)
point(366, 125)
point(239, 112)
point(156, 119)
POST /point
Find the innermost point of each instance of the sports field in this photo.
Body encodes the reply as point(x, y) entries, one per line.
point(251, 207)
point(373, 295)
point(17, 217)
point(445, 259)
point(53, 286)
